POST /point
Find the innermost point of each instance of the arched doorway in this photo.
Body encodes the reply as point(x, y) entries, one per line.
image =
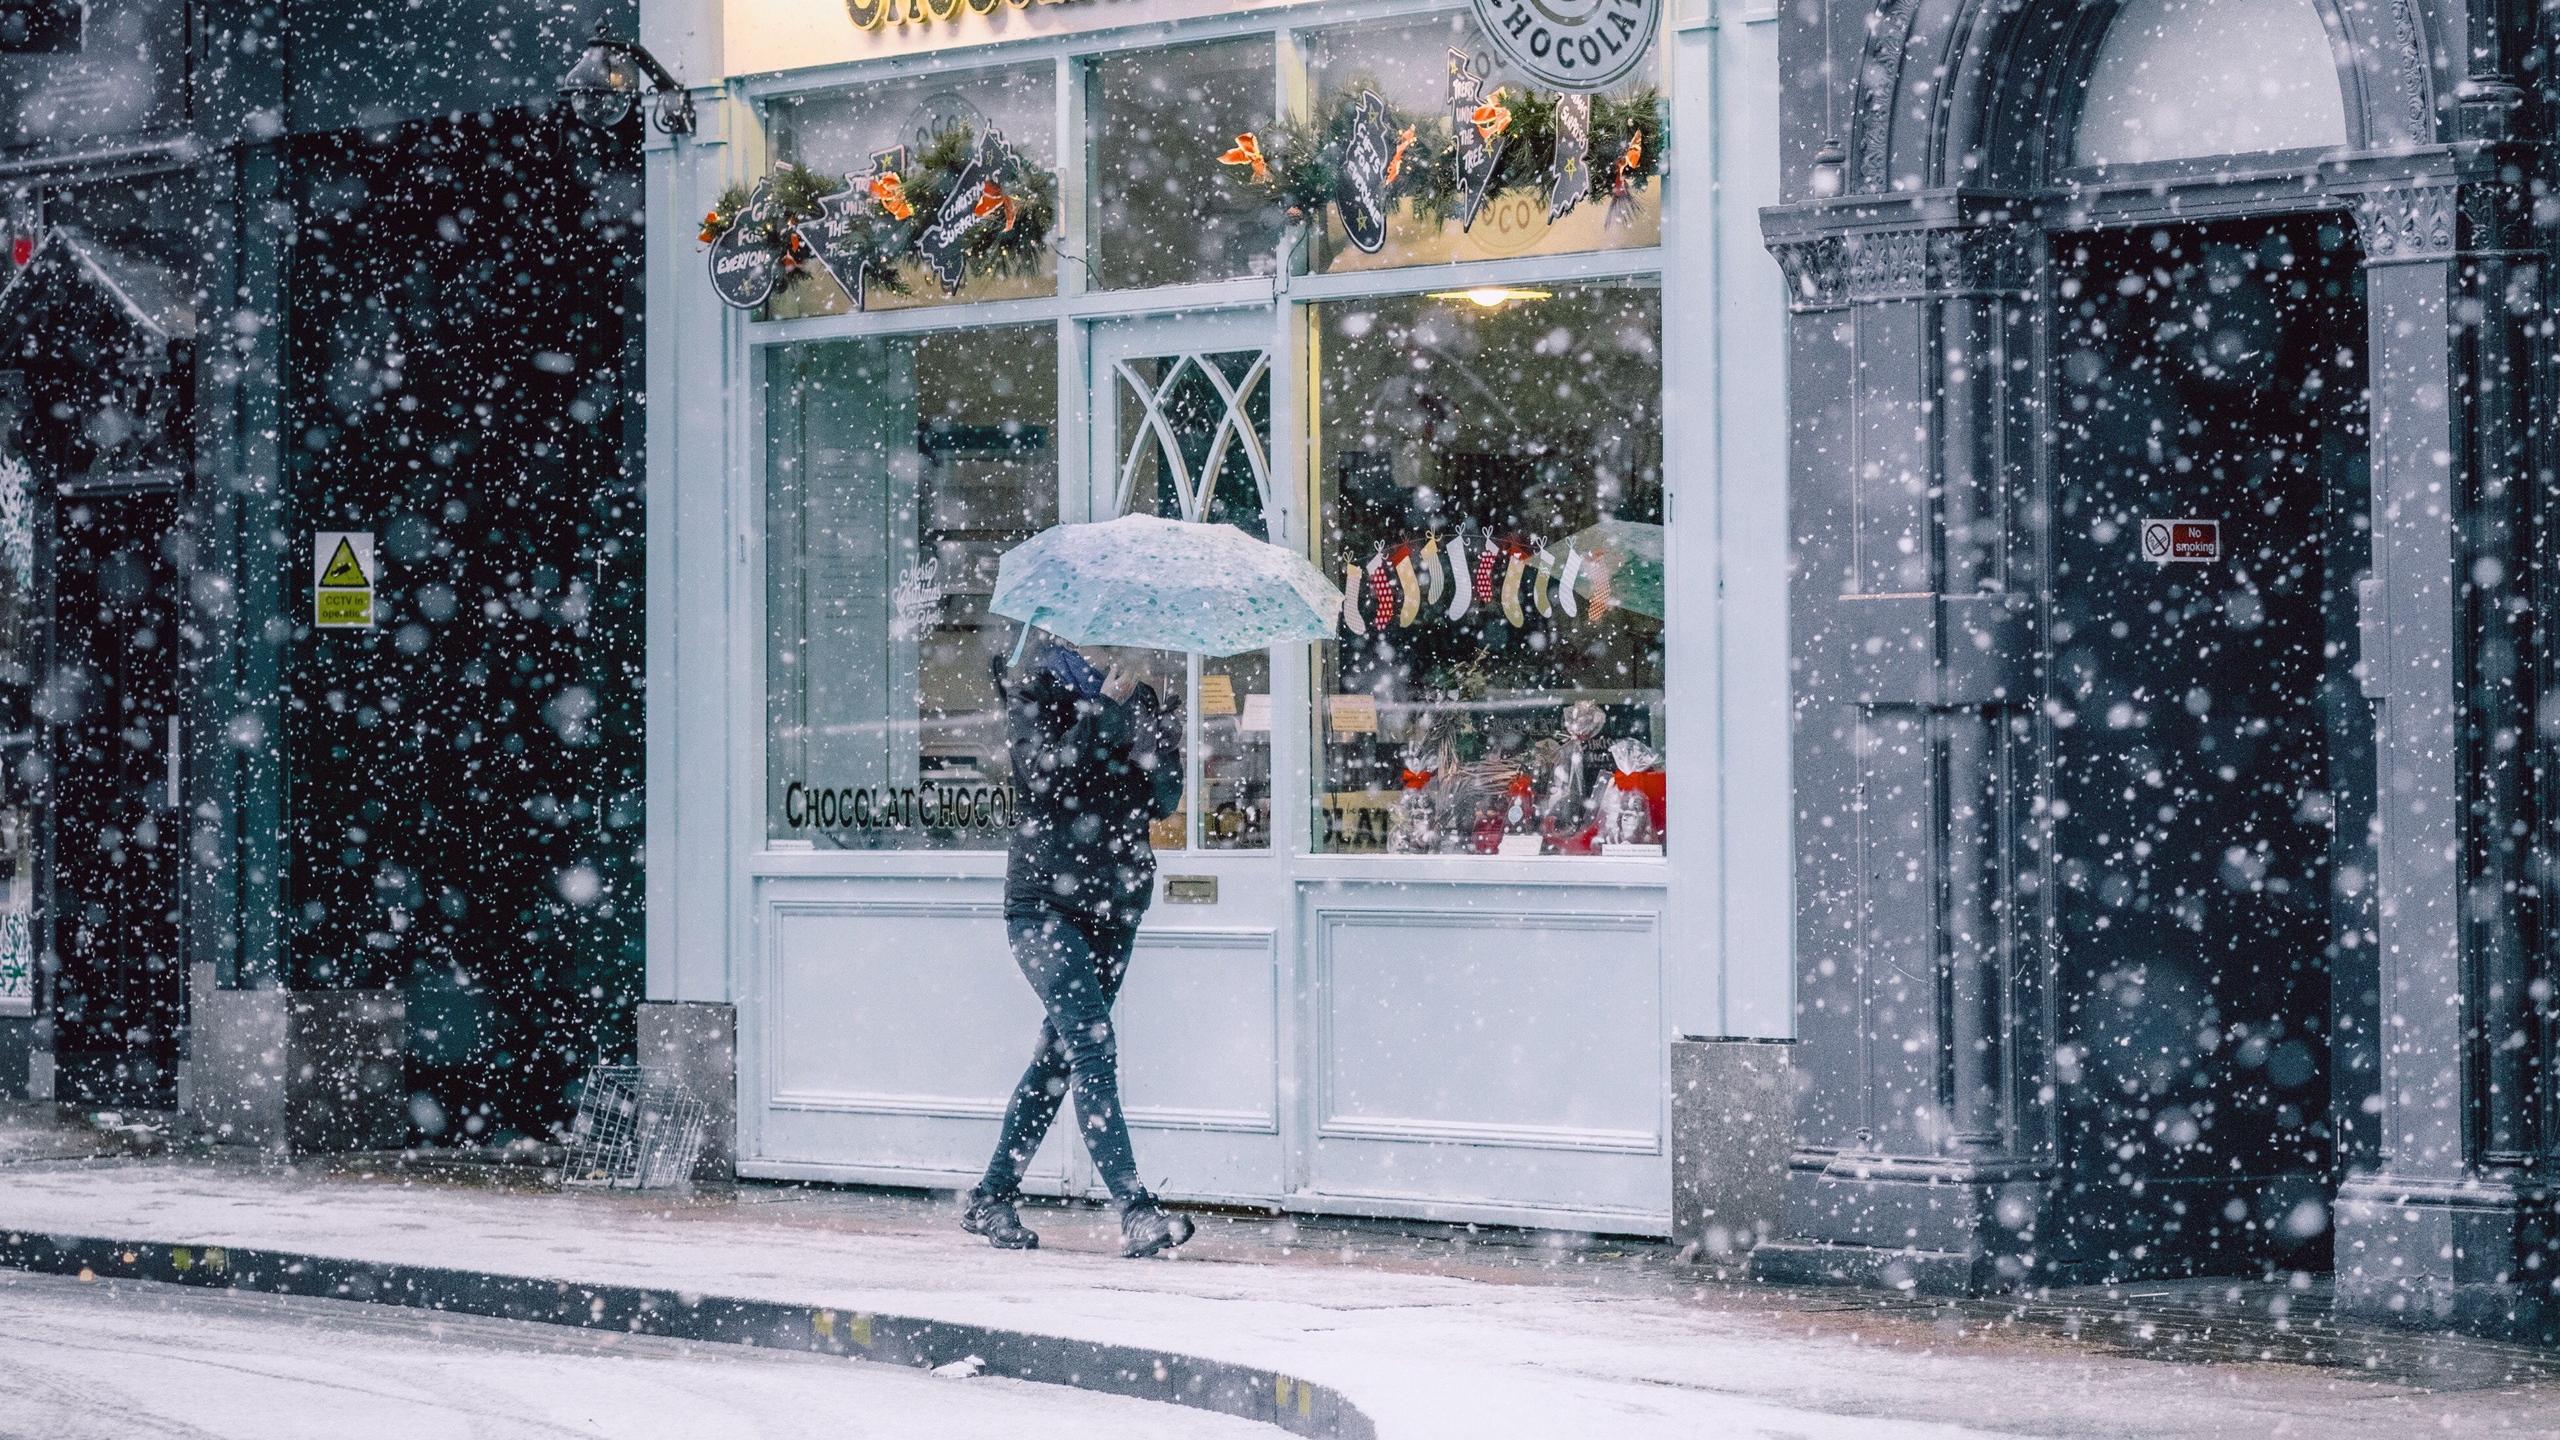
point(2079, 997)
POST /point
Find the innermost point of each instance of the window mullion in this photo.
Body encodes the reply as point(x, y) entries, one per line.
point(1192, 768)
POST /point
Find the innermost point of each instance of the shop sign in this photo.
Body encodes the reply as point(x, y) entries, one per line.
point(343, 576)
point(880, 14)
point(898, 807)
point(2184, 542)
point(745, 265)
point(1573, 45)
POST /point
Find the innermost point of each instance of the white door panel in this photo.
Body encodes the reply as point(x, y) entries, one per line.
point(1200, 1059)
point(1486, 1049)
point(889, 1030)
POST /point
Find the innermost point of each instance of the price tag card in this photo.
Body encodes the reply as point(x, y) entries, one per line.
point(1217, 695)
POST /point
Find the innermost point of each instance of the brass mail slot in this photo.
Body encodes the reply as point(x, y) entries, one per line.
point(1191, 889)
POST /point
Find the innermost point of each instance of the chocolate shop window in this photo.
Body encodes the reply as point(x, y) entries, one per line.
point(1489, 469)
point(898, 472)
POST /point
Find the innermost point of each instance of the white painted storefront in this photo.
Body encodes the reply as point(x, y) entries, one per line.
point(1314, 1019)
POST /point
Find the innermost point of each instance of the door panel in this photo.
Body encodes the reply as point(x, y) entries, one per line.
point(2212, 791)
point(1200, 1057)
point(1489, 1051)
point(111, 698)
point(889, 1029)
point(1181, 427)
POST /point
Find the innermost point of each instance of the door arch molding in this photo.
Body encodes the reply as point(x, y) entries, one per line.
point(1978, 94)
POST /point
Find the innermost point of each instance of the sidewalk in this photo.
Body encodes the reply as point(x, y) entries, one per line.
point(1431, 1331)
point(31, 1130)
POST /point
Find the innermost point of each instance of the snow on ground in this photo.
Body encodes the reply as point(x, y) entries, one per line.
point(137, 1359)
point(1424, 1354)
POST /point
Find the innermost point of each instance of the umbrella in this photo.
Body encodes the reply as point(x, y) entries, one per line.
point(1156, 584)
point(1625, 556)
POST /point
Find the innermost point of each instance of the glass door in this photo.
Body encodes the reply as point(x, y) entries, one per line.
point(1181, 427)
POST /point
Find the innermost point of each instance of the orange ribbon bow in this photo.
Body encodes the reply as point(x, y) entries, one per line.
point(994, 198)
point(1395, 162)
point(1248, 151)
point(891, 192)
point(712, 225)
point(1634, 155)
point(1491, 118)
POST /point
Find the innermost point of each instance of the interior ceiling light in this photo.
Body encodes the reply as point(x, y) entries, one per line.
point(606, 83)
point(1490, 297)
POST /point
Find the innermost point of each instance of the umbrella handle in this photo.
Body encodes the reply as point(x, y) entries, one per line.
point(1020, 645)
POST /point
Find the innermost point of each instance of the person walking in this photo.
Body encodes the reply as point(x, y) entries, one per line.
point(1092, 767)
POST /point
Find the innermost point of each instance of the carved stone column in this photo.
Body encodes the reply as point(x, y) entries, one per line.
point(1915, 1162)
point(2437, 1228)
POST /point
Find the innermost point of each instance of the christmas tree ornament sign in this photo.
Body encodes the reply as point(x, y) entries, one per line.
point(1573, 45)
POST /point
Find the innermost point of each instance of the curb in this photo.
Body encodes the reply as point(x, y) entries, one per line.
point(1294, 1405)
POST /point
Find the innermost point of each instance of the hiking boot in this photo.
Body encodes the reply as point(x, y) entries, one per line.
point(995, 1219)
point(1147, 1229)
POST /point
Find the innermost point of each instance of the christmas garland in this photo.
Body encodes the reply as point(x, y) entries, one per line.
point(963, 205)
point(768, 215)
point(1311, 164)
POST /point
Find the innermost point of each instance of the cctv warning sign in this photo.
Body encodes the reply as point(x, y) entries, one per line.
point(343, 578)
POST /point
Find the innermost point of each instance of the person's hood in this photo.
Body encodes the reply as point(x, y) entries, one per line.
point(1071, 670)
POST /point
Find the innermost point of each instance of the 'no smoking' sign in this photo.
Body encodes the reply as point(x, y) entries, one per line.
point(2193, 542)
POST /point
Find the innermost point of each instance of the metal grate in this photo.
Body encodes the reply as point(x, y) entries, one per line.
point(634, 1131)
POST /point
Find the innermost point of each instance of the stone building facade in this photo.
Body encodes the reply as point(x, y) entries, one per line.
point(2171, 483)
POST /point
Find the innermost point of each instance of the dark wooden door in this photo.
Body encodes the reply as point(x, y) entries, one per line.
point(116, 839)
point(2212, 788)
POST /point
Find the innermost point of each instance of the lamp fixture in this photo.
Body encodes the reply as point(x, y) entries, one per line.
point(605, 84)
point(1830, 170)
point(1490, 297)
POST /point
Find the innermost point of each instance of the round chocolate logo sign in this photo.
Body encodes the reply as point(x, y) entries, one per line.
point(1572, 44)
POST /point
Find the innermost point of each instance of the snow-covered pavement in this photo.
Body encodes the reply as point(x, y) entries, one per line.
point(119, 1360)
point(1594, 1348)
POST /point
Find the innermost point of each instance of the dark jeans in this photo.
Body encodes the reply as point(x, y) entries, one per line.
point(1075, 964)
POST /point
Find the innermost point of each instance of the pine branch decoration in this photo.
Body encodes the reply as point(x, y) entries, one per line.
point(1303, 157)
point(1015, 244)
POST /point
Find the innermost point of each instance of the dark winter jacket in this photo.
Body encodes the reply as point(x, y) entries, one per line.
point(1088, 777)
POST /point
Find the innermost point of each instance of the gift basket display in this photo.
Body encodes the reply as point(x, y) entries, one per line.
point(1493, 512)
point(1565, 793)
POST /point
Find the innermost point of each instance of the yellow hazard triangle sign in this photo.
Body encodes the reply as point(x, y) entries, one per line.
point(343, 579)
point(343, 573)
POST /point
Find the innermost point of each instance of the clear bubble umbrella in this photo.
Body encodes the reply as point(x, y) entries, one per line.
point(1156, 584)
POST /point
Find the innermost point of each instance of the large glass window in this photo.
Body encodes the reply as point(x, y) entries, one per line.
point(848, 132)
point(1488, 468)
point(1484, 465)
point(1438, 78)
point(1165, 212)
point(898, 471)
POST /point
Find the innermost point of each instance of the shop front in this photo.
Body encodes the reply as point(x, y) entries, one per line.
point(1359, 280)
